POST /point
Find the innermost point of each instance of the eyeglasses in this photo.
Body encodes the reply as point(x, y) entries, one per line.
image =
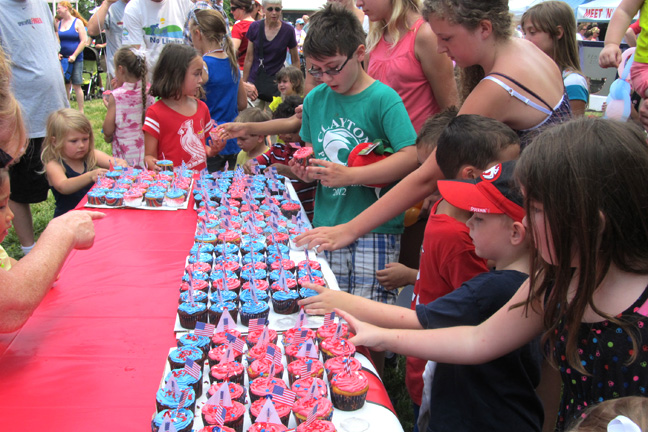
point(317, 73)
point(275, 9)
point(5, 159)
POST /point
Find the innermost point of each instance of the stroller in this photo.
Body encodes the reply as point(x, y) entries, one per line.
point(91, 70)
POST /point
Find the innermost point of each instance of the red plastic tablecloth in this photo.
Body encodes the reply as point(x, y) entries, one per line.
point(94, 351)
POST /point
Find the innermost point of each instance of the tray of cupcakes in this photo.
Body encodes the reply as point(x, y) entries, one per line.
point(304, 379)
point(129, 187)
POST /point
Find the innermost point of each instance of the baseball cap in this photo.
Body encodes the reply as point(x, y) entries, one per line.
point(299, 21)
point(494, 192)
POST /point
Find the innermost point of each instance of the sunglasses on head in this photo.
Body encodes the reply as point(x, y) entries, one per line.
point(275, 9)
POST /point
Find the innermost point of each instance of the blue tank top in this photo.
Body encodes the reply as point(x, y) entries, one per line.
point(69, 40)
point(221, 91)
point(65, 203)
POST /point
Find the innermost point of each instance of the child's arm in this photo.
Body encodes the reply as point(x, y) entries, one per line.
point(396, 275)
point(271, 127)
point(388, 170)
point(437, 68)
point(241, 96)
point(509, 328)
point(104, 160)
point(611, 53)
point(151, 151)
point(109, 122)
point(380, 314)
point(66, 186)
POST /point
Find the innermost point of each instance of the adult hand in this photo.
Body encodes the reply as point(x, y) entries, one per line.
point(72, 58)
point(251, 91)
point(327, 238)
point(324, 302)
point(79, 225)
point(366, 334)
point(395, 275)
point(610, 56)
point(330, 174)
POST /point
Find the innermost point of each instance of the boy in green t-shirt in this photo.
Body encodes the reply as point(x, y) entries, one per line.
point(350, 109)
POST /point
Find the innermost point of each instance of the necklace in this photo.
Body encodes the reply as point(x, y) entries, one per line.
point(217, 50)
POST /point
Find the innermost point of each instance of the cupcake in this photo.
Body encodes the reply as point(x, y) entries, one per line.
point(246, 295)
point(259, 284)
point(278, 249)
point(253, 337)
point(154, 199)
point(216, 310)
point(179, 356)
point(296, 369)
point(182, 420)
point(261, 368)
point(291, 334)
point(165, 165)
point(217, 354)
point(334, 347)
point(349, 390)
point(166, 399)
point(198, 266)
point(133, 198)
point(327, 331)
point(285, 302)
point(237, 391)
point(231, 237)
point(232, 370)
point(174, 198)
point(184, 379)
point(196, 341)
point(234, 415)
point(292, 351)
point(228, 265)
point(288, 265)
point(96, 197)
point(290, 208)
point(221, 337)
point(278, 237)
point(302, 386)
point(202, 237)
point(114, 199)
point(252, 310)
point(316, 280)
point(336, 365)
point(258, 352)
point(198, 296)
point(253, 247)
point(314, 265)
point(232, 284)
point(304, 406)
point(303, 155)
point(283, 411)
point(218, 296)
point(189, 314)
point(257, 265)
point(262, 387)
point(227, 249)
point(197, 285)
point(256, 274)
point(267, 427)
point(316, 426)
point(291, 284)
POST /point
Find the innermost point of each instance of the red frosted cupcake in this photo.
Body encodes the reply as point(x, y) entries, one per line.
point(303, 407)
point(258, 352)
point(292, 351)
point(215, 355)
point(334, 347)
point(289, 335)
point(267, 427)
point(232, 370)
point(253, 337)
point(317, 426)
point(316, 281)
point(283, 411)
point(261, 368)
point(279, 237)
point(231, 283)
point(229, 237)
point(327, 331)
point(198, 266)
point(198, 285)
point(288, 265)
point(349, 390)
point(303, 385)
point(221, 337)
point(237, 391)
point(303, 156)
point(233, 417)
point(337, 364)
point(314, 265)
point(296, 368)
point(262, 387)
point(290, 208)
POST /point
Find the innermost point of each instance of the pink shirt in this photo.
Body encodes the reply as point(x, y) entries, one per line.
point(399, 68)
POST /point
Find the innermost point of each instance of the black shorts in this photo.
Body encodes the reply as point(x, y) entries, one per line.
point(28, 185)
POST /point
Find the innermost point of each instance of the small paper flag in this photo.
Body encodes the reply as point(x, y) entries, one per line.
point(171, 387)
point(255, 324)
point(268, 413)
point(283, 395)
point(301, 318)
point(204, 329)
point(237, 343)
point(192, 368)
point(329, 318)
point(312, 415)
point(225, 322)
point(167, 425)
point(308, 349)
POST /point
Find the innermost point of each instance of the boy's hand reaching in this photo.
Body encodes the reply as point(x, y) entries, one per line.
point(366, 334)
point(327, 238)
point(300, 171)
point(323, 303)
point(396, 275)
point(330, 174)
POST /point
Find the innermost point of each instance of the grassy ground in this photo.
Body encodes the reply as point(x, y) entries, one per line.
point(42, 213)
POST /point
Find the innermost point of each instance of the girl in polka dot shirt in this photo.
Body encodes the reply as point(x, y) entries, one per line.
point(586, 196)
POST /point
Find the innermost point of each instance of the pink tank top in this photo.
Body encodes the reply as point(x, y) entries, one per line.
point(399, 68)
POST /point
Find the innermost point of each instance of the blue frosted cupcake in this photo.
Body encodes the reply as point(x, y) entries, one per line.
point(165, 165)
point(182, 420)
point(216, 310)
point(246, 295)
point(285, 302)
point(167, 400)
point(252, 310)
point(179, 356)
point(227, 248)
point(114, 199)
point(196, 341)
point(199, 296)
point(96, 197)
point(154, 198)
point(189, 314)
point(225, 296)
point(253, 247)
point(202, 247)
point(256, 274)
point(205, 257)
point(196, 276)
point(183, 379)
point(307, 292)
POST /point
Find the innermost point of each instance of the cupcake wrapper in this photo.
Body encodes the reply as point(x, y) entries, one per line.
point(285, 307)
point(189, 321)
point(348, 403)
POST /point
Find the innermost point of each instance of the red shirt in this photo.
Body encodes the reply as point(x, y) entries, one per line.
point(180, 138)
point(447, 260)
point(239, 30)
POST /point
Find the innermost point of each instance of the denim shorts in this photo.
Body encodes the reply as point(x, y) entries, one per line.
point(77, 73)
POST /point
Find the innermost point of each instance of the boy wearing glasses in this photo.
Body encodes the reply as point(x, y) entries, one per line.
point(351, 109)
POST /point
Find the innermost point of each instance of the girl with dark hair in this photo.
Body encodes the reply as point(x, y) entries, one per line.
point(585, 184)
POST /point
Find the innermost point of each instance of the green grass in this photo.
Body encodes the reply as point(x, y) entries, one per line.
point(42, 213)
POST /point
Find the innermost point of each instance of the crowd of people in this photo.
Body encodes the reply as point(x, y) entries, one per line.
point(530, 299)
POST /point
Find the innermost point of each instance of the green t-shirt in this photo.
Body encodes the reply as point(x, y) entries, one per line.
point(335, 124)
